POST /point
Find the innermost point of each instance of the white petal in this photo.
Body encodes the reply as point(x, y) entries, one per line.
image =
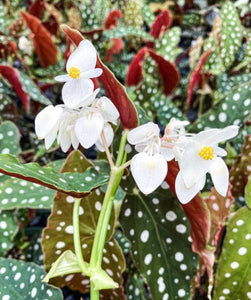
point(143, 133)
point(223, 134)
point(219, 151)
point(88, 129)
point(108, 110)
point(75, 90)
point(220, 174)
point(167, 153)
point(83, 58)
point(47, 119)
point(205, 135)
point(92, 73)
point(108, 133)
point(192, 166)
point(87, 100)
point(62, 78)
point(184, 194)
point(50, 138)
point(148, 171)
point(65, 141)
point(74, 140)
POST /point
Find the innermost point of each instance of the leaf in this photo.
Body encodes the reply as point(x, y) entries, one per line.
point(167, 45)
point(8, 230)
point(9, 138)
point(126, 108)
point(58, 236)
point(159, 234)
point(42, 40)
point(12, 76)
point(161, 24)
point(21, 280)
point(3, 15)
point(18, 193)
point(148, 16)
point(240, 171)
point(71, 183)
point(32, 89)
point(248, 193)
point(36, 8)
point(231, 33)
point(234, 268)
point(101, 7)
point(111, 19)
point(233, 108)
point(196, 75)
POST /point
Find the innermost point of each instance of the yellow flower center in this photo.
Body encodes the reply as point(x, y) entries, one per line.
point(207, 153)
point(74, 72)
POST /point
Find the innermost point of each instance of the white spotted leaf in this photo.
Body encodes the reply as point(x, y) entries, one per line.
point(158, 231)
point(233, 276)
point(21, 280)
point(8, 230)
point(75, 184)
point(58, 235)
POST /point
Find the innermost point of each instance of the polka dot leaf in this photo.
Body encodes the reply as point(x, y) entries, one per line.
point(8, 229)
point(75, 184)
point(233, 276)
point(32, 89)
point(58, 236)
point(21, 280)
point(233, 108)
point(17, 193)
point(161, 247)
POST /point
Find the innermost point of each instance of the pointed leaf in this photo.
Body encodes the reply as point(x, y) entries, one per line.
point(111, 19)
point(234, 267)
point(36, 8)
point(9, 138)
point(71, 183)
point(8, 230)
point(161, 24)
point(21, 280)
point(43, 43)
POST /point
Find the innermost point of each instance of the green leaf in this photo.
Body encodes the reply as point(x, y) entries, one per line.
point(18, 193)
point(21, 280)
point(232, 109)
point(149, 17)
point(101, 8)
point(135, 288)
point(159, 233)
point(124, 31)
point(74, 184)
point(3, 19)
point(102, 281)
point(234, 268)
point(67, 263)
point(32, 89)
point(167, 45)
point(8, 230)
point(231, 33)
point(248, 193)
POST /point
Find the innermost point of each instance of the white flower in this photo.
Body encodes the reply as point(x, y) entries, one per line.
point(25, 45)
point(202, 155)
point(93, 120)
point(80, 68)
point(149, 167)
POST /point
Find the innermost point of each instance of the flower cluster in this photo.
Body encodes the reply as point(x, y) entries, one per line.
point(196, 154)
point(83, 117)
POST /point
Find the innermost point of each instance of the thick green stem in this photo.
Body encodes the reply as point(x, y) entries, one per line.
point(76, 236)
point(94, 293)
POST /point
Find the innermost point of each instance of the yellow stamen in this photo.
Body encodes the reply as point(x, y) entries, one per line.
point(207, 153)
point(74, 72)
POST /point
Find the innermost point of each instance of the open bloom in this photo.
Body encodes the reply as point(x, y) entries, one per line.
point(80, 68)
point(149, 166)
point(202, 155)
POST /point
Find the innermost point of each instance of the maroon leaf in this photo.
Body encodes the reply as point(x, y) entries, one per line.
point(12, 76)
point(42, 40)
point(168, 73)
point(199, 218)
point(161, 23)
point(117, 46)
point(115, 90)
point(111, 20)
point(36, 9)
point(195, 77)
point(134, 74)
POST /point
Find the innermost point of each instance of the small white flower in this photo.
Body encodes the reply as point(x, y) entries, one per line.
point(80, 68)
point(149, 167)
point(25, 45)
point(202, 155)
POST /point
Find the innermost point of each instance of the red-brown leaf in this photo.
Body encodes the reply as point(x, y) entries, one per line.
point(161, 24)
point(196, 76)
point(168, 73)
point(116, 47)
point(111, 20)
point(42, 40)
point(37, 8)
point(134, 74)
point(115, 90)
point(12, 76)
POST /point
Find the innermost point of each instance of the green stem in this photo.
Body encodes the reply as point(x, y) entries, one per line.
point(94, 293)
point(122, 149)
point(76, 236)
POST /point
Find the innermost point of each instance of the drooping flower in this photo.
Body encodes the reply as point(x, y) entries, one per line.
point(201, 155)
point(149, 166)
point(80, 68)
